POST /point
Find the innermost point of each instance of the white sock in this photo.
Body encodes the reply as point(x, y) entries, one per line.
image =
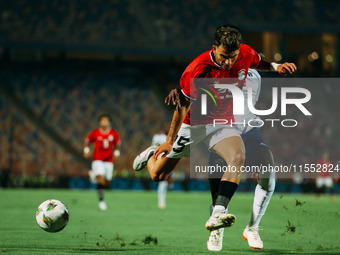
point(217, 210)
point(162, 189)
point(261, 201)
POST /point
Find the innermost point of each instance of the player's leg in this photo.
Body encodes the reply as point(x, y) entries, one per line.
point(161, 168)
point(263, 193)
point(319, 186)
point(161, 191)
point(265, 187)
point(329, 186)
point(215, 241)
point(98, 169)
point(101, 184)
point(232, 150)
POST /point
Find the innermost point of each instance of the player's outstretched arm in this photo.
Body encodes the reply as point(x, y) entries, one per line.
point(282, 69)
point(179, 115)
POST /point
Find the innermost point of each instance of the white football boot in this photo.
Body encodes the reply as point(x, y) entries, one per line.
point(215, 241)
point(223, 220)
point(251, 234)
point(142, 159)
point(102, 206)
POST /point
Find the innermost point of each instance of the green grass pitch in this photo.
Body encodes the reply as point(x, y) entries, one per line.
point(134, 225)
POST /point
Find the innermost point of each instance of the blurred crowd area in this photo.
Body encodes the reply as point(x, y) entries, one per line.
point(176, 24)
point(69, 96)
point(67, 62)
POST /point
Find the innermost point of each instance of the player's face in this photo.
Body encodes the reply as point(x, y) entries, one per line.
point(224, 58)
point(104, 123)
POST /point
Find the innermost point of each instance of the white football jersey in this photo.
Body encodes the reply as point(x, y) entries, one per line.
point(159, 138)
point(253, 81)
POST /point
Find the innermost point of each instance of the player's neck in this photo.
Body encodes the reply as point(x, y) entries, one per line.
point(104, 131)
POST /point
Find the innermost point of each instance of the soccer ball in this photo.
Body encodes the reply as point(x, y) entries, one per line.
point(52, 215)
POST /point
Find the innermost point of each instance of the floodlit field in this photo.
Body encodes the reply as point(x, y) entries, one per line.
point(134, 225)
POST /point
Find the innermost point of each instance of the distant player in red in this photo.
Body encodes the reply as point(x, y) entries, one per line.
point(106, 146)
point(324, 179)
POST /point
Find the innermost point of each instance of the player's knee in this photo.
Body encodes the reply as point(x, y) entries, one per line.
point(238, 159)
point(101, 180)
point(156, 177)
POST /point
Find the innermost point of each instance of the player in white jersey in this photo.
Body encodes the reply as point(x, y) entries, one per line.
point(256, 153)
point(162, 185)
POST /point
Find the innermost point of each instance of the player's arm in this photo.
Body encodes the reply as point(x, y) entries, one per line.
point(173, 97)
point(116, 148)
point(116, 151)
point(180, 112)
point(266, 65)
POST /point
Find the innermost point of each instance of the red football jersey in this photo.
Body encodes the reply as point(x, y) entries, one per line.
point(324, 169)
point(104, 143)
point(204, 66)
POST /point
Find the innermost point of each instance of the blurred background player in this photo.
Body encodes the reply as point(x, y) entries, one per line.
point(106, 146)
point(162, 189)
point(257, 153)
point(324, 179)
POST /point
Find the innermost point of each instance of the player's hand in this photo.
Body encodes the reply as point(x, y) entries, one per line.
point(87, 154)
point(164, 149)
point(173, 97)
point(286, 67)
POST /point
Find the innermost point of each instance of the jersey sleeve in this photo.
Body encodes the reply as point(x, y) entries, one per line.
point(253, 56)
point(187, 83)
point(116, 140)
point(91, 137)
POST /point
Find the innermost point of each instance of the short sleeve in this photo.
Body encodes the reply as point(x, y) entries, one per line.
point(90, 138)
point(188, 87)
point(255, 58)
point(117, 138)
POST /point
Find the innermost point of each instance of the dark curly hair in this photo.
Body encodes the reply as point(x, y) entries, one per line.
point(229, 36)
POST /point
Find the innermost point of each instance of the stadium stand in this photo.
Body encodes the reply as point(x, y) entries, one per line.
point(66, 96)
point(160, 24)
point(69, 98)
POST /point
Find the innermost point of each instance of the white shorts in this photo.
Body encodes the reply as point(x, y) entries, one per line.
point(102, 168)
point(324, 181)
point(191, 135)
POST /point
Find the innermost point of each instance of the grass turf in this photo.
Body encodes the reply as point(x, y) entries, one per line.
point(134, 225)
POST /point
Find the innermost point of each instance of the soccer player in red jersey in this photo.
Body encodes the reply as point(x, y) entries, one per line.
point(106, 146)
point(228, 58)
point(324, 179)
